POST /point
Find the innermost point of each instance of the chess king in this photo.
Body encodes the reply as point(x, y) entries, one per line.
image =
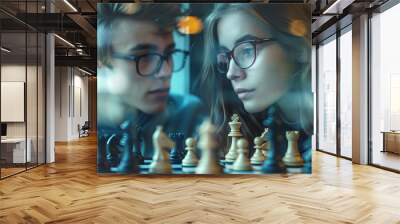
point(257, 65)
point(137, 57)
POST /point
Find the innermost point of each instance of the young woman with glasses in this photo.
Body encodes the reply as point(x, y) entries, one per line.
point(257, 65)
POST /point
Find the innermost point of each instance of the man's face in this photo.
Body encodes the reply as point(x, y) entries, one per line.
point(135, 38)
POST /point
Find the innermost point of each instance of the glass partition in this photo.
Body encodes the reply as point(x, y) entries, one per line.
point(13, 105)
point(327, 96)
point(346, 93)
point(385, 89)
point(22, 90)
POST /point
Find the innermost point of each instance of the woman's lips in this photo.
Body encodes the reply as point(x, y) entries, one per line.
point(244, 93)
point(159, 93)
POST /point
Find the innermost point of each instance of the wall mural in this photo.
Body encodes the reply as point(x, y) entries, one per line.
point(204, 88)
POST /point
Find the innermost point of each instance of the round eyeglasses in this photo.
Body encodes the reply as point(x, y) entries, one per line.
point(151, 63)
point(244, 55)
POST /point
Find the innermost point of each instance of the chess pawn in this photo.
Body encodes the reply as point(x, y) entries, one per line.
point(242, 162)
point(190, 158)
point(208, 163)
point(235, 136)
point(161, 163)
point(292, 156)
point(258, 156)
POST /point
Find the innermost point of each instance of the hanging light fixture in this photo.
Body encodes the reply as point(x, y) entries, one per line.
point(190, 25)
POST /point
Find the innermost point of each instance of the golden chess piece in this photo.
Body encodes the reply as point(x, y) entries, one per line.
point(235, 135)
point(292, 156)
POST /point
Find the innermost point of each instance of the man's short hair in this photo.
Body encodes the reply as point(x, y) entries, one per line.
point(162, 15)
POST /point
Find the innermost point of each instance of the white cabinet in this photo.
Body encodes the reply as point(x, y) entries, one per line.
point(18, 149)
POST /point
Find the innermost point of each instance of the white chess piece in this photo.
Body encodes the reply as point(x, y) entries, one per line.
point(161, 142)
point(235, 135)
point(292, 156)
point(242, 162)
point(190, 158)
point(208, 163)
point(258, 156)
point(260, 146)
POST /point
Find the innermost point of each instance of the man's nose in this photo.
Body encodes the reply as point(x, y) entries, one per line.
point(235, 72)
point(165, 70)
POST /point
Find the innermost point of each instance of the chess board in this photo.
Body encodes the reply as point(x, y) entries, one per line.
point(227, 169)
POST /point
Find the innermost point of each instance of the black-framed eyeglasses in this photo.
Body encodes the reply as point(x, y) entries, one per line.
point(244, 55)
point(151, 63)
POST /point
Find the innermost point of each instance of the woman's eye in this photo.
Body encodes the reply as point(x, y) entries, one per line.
point(246, 52)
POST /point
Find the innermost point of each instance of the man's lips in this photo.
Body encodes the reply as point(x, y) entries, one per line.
point(244, 93)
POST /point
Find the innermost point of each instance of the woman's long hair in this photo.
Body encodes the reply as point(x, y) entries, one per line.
point(289, 25)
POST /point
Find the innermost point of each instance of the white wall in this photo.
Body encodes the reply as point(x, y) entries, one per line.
point(33, 127)
point(16, 73)
point(71, 94)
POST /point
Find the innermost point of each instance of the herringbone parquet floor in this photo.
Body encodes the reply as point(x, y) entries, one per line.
point(70, 191)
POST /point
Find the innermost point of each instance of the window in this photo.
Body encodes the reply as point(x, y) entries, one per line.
point(385, 88)
point(327, 96)
point(346, 93)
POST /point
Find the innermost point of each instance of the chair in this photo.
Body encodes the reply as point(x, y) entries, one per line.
point(84, 130)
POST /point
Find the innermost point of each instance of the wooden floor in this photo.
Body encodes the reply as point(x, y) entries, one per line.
point(387, 159)
point(70, 191)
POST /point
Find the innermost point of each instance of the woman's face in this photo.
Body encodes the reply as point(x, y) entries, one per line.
point(267, 79)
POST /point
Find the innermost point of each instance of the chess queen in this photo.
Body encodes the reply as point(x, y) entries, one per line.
point(257, 65)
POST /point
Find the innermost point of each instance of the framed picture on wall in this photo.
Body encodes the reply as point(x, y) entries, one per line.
point(204, 88)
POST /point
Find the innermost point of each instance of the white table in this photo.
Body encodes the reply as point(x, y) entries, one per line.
point(18, 148)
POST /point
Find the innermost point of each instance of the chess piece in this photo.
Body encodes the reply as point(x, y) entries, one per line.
point(176, 154)
point(208, 163)
point(260, 147)
point(265, 148)
point(242, 162)
point(190, 158)
point(235, 135)
point(273, 160)
point(127, 163)
point(138, 145)
point(292, 156)
point(258, 156)
point(276, 142)
point(161, 163)
point(138, 154)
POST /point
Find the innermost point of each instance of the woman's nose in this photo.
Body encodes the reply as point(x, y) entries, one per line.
point(235, 72)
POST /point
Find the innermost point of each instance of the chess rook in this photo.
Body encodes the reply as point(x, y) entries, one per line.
point(235, 135)
point(292, 156)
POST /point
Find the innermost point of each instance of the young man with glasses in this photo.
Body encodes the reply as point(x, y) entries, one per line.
point(137, 57)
